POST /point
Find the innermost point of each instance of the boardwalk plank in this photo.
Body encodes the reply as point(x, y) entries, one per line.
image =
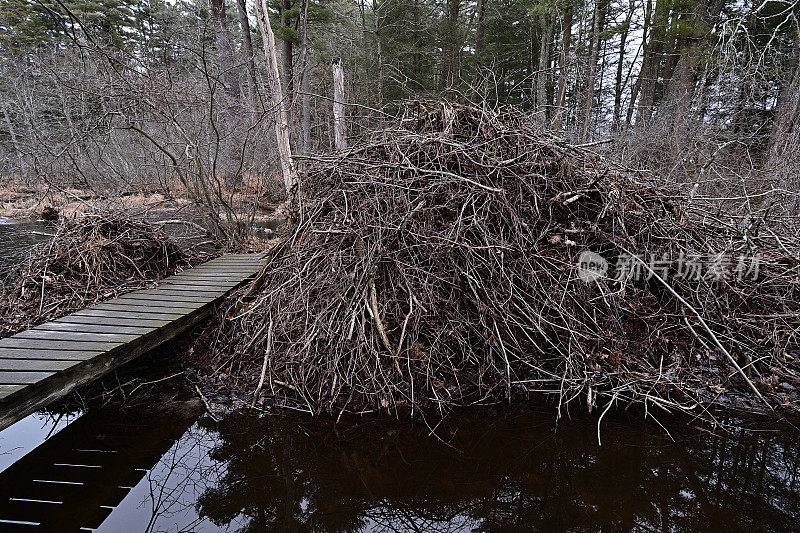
point(113, 321)
point(204, 284)
point(7, 390)
point(61, 355)
point(45, 334)
point(214, 276)
point(105, 313)
point(159, 296)
point(44, 363)
point(22, 378)
point(35, 365)
point(189, 290)
point(225, 269)
point(47, 344)
point(158, 307)
point(93, 328)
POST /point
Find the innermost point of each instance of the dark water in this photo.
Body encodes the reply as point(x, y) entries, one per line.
point(16, 240)
point(491, 470)
point(166, 466)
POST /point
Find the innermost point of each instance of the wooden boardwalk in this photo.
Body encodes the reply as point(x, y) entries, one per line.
point(45, 363)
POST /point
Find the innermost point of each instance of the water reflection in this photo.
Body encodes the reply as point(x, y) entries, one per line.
point(75, 478)
point(497, 474)
point(142, 470)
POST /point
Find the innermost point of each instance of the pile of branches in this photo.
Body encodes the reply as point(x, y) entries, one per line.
point(437, 265)
point(89, 259)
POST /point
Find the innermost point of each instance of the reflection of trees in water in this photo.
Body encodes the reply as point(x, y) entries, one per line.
point(181, 475)
point(497, 475)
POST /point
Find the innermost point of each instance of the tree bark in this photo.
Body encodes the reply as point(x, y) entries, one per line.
point(288, 66)
point(376, 6)
point(304, 80)
point(450, 63)
point(276, 92)
point(480, 32)
point(598, 21)
point(226, 161)
point(339, 125)
point(785, 138)
point(247, 46)
point(543, 68)
point(618, 88)
point(563, 67)
point(288, 53)
point(648, 15)
point(225, 48)
point(14, 140)
point(651, 61)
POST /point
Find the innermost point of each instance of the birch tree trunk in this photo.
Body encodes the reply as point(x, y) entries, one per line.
point(276, 93)
point(648, 17)
point(339, 126)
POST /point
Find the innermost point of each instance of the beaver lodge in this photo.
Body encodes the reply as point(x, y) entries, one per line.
point(437, 265)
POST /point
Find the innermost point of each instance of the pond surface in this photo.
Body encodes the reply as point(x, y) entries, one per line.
point(490, 470)
point(173, 468)
point(16, 240)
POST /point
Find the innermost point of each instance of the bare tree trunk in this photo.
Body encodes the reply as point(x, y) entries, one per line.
point(225, 48)
point(281, 124)
point(376, 7)
point(227, 153)
point(785, 138)
point(304, 81)
point(563, 68)
point(14, 140)
point(288, 66)
point(339, 126)
point(247, 46)
point(591, 71)
point(450, 62)
point(651, 61)
point(480, 32)
point(543, 68)
point(637, 85)
point(623, 38)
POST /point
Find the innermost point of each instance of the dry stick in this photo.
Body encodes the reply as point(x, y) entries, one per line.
point(205, 402)
point(599, 420)
point(705, 326)
point(44, 273)
point(264, 365)
point(373, 302)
